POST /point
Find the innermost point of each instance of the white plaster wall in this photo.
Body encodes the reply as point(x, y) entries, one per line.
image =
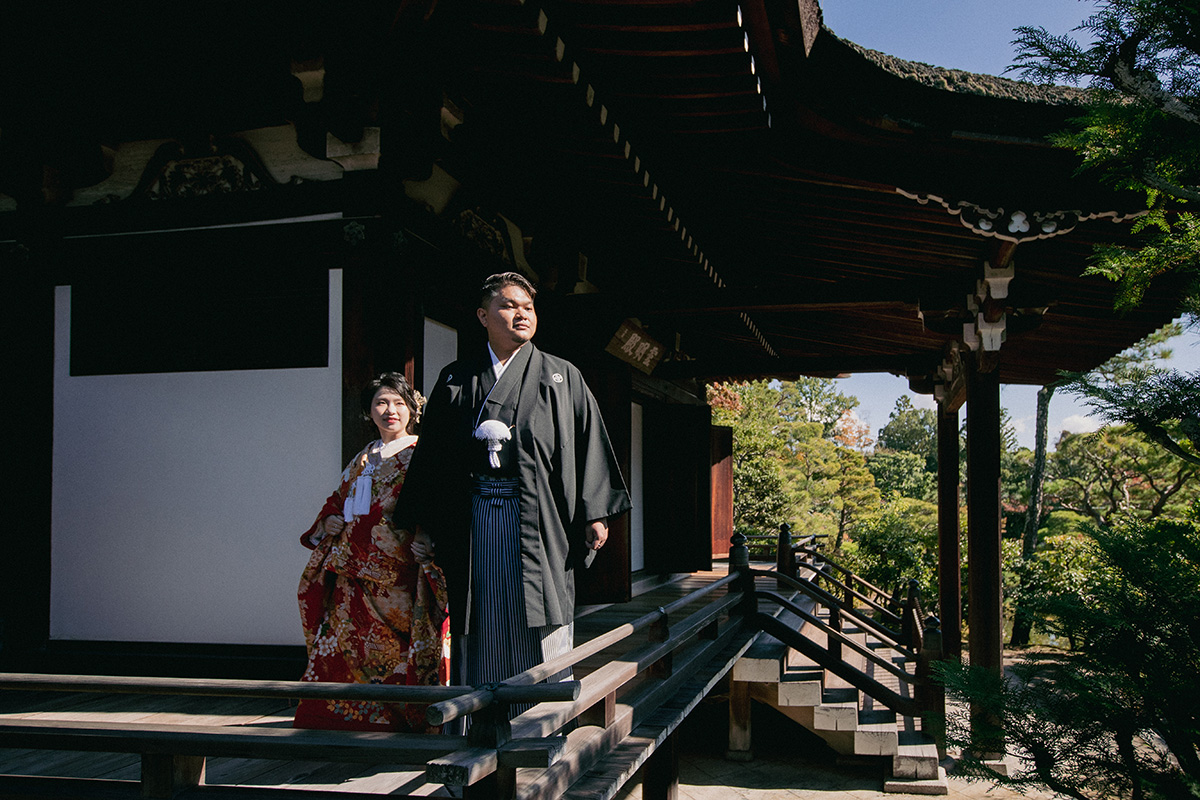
point(441, 347)
point(179, 499)
point(637, 555)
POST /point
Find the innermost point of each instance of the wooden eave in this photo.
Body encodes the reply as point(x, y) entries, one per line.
point(774, 240)
point(808, 233)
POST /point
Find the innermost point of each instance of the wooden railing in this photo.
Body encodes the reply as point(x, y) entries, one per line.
point(484, 761)
point(897, 623)
point(604, 706)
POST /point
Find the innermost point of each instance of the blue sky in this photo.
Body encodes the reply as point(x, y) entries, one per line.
point(975, 36)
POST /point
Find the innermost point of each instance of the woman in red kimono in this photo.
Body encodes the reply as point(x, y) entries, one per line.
point(372, 602)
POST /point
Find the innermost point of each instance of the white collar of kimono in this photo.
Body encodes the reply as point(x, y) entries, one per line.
point(358, 501)
point(497, 366)
point(395, 446)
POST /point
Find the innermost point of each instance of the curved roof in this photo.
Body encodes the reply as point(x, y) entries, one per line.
point(957, 80)
point(743, 183)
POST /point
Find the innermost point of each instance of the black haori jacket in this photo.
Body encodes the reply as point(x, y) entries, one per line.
point(564, 460)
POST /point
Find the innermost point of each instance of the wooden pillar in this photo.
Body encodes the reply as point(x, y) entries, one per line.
point(949, 575)
point(165, 775)
point(739, 722)
point(28, 331)
point(661, 781)
point(983, 535)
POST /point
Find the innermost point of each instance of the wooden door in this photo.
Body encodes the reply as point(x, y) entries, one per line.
point(608, 579)
point(677, 478)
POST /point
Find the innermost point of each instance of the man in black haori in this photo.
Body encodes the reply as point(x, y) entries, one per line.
point(513, 480)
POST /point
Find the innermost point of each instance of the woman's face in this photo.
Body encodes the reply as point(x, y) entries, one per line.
point(390, 414)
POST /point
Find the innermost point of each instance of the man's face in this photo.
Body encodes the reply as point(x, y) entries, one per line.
point(509, 318)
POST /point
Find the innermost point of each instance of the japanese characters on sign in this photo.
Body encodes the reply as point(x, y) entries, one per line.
point(634, 346)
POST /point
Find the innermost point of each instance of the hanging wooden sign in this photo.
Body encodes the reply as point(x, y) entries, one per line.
point(634, 346)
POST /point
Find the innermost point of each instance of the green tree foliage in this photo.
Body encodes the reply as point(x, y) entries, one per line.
point(759, 500)
point(1120, 716)
point(791, 459)
point(1114, 472)
point(897, 545)
point(1162, 405)
point(808, 474)
point(911, 430)
point(814, 400)
point(1134, 388)
point(853, 494)
point(1141, 129)
point(901, 473)
point(1062, 566)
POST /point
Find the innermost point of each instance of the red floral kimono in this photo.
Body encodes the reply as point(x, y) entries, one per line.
point(371, 613)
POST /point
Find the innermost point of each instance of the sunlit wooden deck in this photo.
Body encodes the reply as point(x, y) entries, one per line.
point(265, 712)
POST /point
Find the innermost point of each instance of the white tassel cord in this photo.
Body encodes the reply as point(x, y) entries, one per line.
point(495, 433)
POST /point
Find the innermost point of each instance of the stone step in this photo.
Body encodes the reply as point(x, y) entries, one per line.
point(876, 734)
point(838, 710)
point(931, 786)
point(800, 687)
point(916, 756)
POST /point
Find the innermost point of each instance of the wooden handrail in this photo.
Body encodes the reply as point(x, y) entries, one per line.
point(842, 638)
point(878, 592)
point(887, 613)
point(452, 708)
point(884, 634)
point(220, 687)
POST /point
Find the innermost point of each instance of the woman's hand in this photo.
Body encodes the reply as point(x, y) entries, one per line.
point(330, 526)
point(422, 547)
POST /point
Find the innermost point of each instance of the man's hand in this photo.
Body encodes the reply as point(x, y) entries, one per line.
point(597, 534)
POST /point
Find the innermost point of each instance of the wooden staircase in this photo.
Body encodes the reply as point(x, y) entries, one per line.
point(851, 722)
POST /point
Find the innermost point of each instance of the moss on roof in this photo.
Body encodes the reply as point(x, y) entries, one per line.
point(957, 80)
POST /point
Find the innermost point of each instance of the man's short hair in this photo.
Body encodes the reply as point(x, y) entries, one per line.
point(494, 284)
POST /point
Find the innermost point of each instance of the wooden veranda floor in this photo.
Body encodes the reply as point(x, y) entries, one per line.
point(309, 775)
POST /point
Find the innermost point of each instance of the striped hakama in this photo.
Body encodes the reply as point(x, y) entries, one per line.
point(500, 643)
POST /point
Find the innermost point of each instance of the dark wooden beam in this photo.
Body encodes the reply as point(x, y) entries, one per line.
point(753, 300)
point(755, 368)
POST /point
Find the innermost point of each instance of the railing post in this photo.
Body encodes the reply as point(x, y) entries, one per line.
point(491, 729)
point(834, 643)
point(930, 694)
point(785, 554)
point(739, 561)
point(906, 624)
point(739, 691)
point(910, 618)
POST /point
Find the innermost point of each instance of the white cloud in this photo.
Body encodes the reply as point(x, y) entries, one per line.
point(1021, 425)
point(1080, 423)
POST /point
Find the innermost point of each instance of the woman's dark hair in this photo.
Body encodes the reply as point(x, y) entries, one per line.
point(398, 384)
